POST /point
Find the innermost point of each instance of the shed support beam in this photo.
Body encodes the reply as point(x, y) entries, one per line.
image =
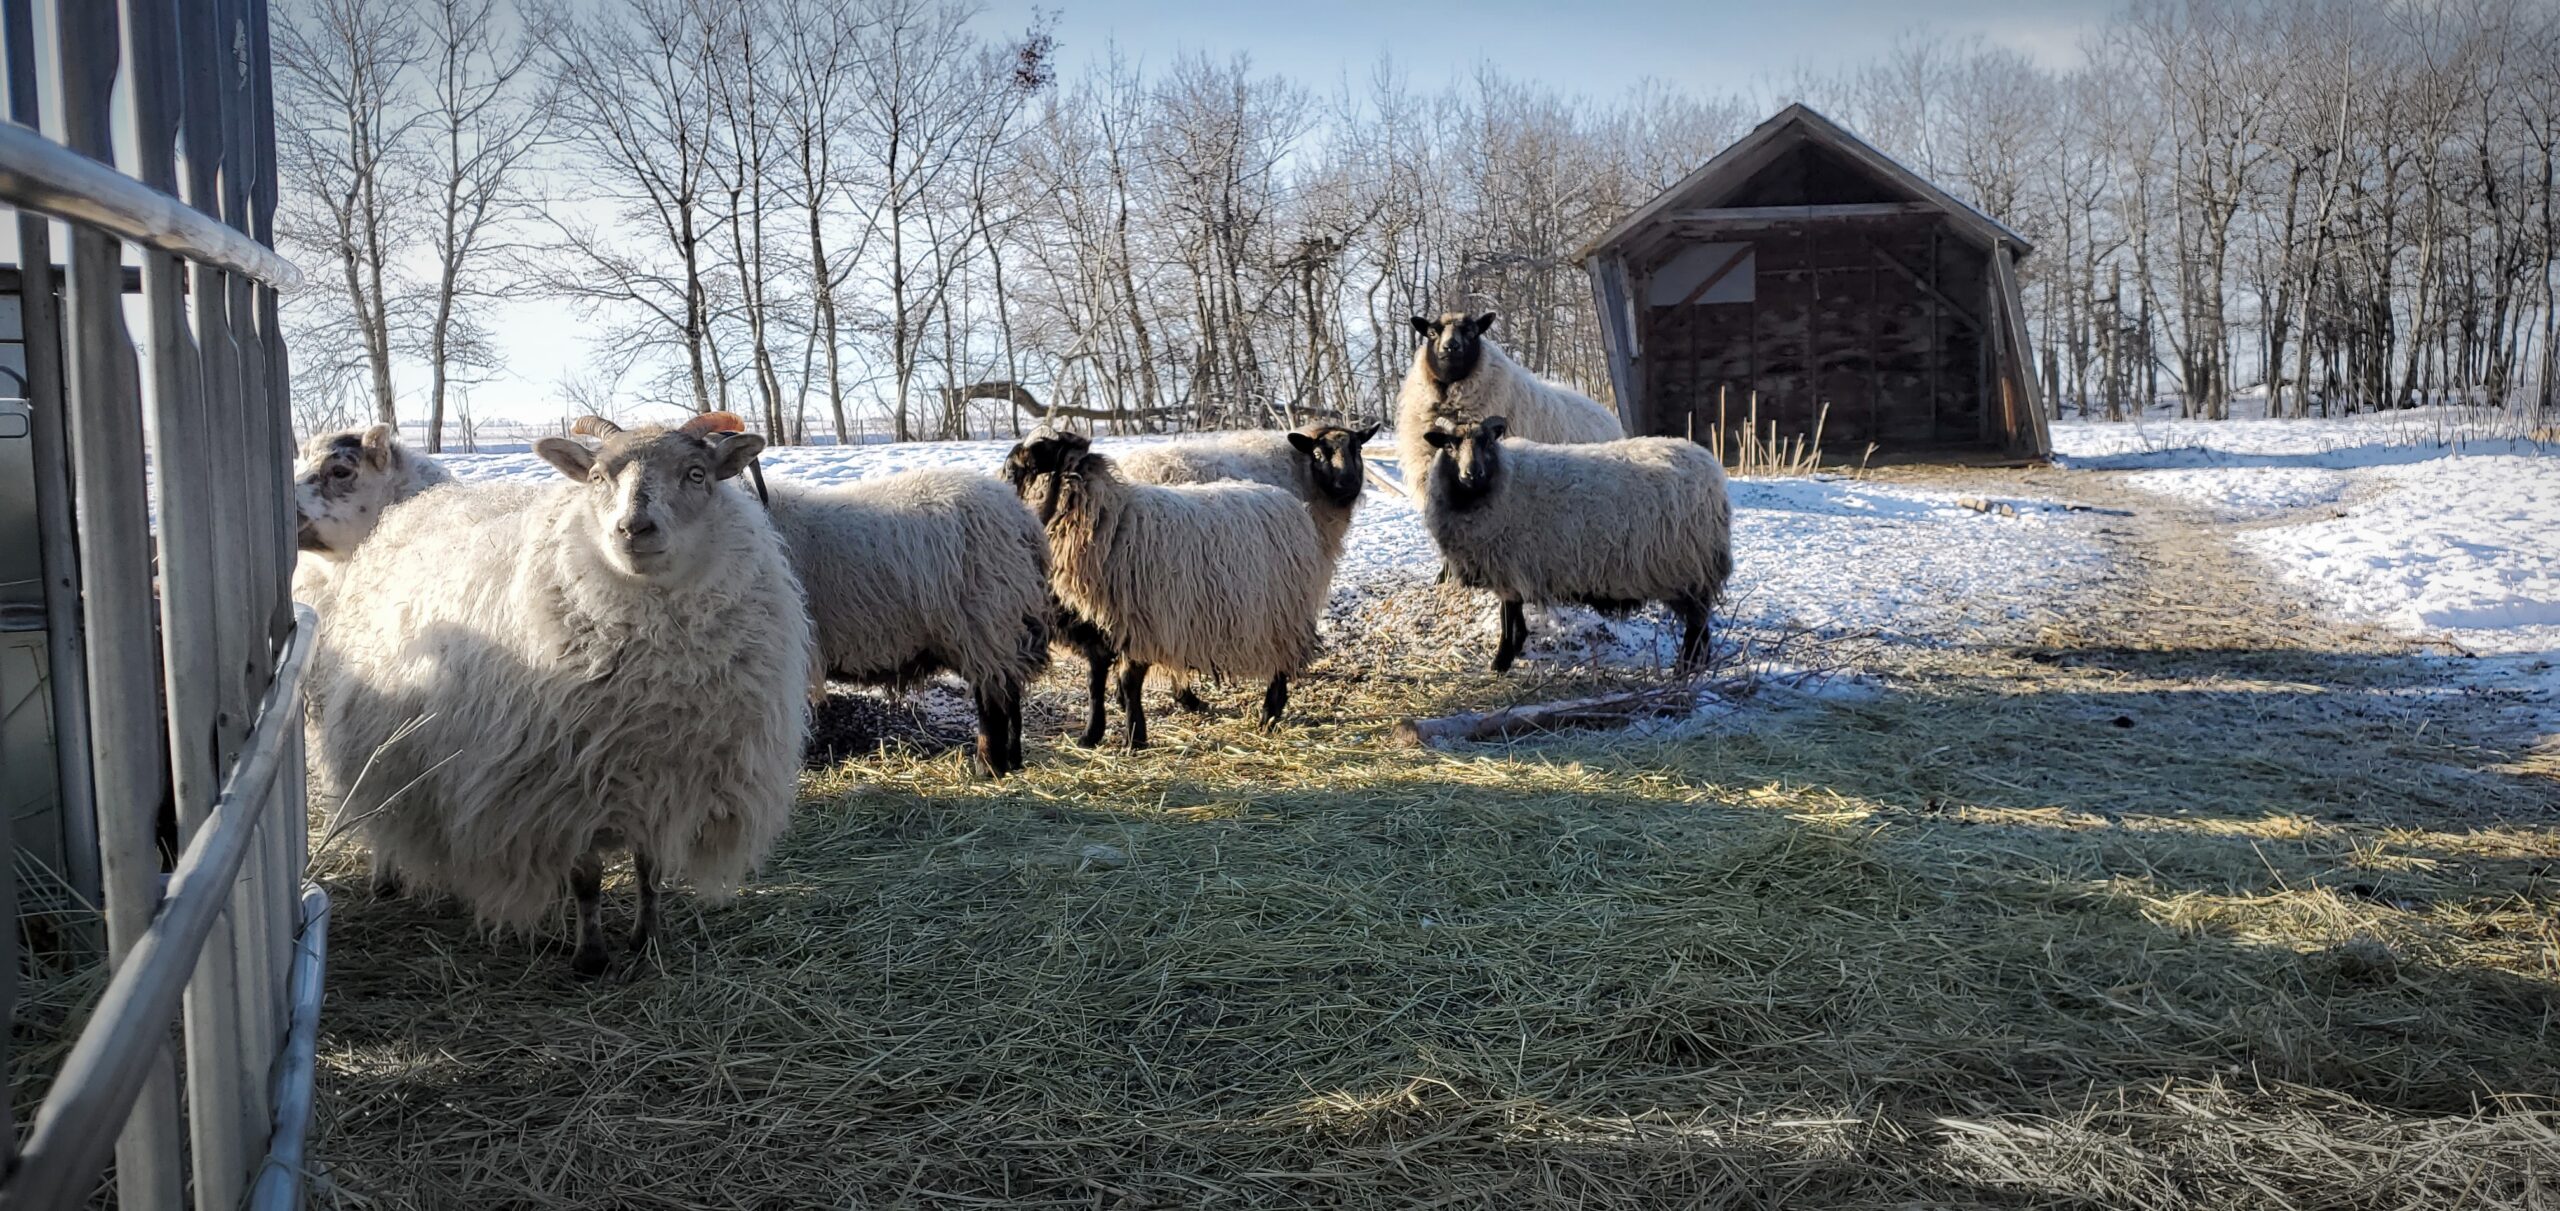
point(1889, 261)
point(1783, 214)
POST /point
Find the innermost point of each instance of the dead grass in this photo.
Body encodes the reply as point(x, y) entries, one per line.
point(2286, 940)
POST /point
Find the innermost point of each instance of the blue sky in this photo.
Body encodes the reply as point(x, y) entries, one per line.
point(1596, 47)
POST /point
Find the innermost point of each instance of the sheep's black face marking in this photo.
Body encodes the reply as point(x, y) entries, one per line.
point(1046, 467)
point(1454, 344)
point(652, 494)
point(1466, 460)
point(1333, 456)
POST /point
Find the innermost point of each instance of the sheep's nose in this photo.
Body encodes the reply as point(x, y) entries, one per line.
point(636, 527)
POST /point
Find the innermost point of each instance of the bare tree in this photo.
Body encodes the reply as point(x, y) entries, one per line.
point(346, 134)
point(486, 124)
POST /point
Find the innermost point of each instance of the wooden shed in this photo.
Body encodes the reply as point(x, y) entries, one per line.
point(1806, 271)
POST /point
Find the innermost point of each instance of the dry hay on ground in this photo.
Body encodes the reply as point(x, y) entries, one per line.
point(2137, 915)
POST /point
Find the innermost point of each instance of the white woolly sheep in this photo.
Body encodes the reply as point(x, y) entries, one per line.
point(1225, 578)
point(345, 481)
point(912, 574)
point(520, 678)
point(1461, 375)
point(1611, 525)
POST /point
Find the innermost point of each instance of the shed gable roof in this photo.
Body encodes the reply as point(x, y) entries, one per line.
point(1799, 128)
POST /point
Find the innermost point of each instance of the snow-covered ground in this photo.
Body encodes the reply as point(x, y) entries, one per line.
point(2426, 521)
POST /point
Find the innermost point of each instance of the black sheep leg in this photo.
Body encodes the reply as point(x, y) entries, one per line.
point(1188, 698)
point(1696, 642)
point(1133, 690)
point(1274, 701)
point(1098, 683)
point(644, 871)
point(586, 882)
point(1515, 635)
point(991, 739)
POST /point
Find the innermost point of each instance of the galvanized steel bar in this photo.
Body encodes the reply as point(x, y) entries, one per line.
point(115, 560)
point(281, 1179)
point(218, 1124)
point(40, 175)
point(105, 1069)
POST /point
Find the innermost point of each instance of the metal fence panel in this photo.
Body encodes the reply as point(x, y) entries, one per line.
point(189, 560)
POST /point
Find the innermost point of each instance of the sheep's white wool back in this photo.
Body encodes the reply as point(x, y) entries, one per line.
point(499, 702)
point(1226, 579)
point(1258, 456)
point(944, 565)
point(1640, 519)
point(1539, 410)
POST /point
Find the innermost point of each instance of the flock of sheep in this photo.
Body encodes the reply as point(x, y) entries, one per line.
point(513, 681)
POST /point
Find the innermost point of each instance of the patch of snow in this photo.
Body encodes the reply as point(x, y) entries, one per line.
point(2247, 493)
point(2427, 521)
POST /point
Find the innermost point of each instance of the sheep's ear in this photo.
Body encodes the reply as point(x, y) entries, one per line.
point(1484, 323)
point(1362, 437)
point(573, 460)
point(1304, 443)
point(1425, 327)
point(1439, 439)
point(730, 452)
point(1494, 428)
point(378, 444)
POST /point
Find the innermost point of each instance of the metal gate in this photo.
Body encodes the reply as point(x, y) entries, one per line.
point(171, 652)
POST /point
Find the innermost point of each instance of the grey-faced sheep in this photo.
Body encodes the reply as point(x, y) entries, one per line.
point(1610, 525)
point(1225, 578)
point(1459, 375)
point(915, 573)
point(521, 678)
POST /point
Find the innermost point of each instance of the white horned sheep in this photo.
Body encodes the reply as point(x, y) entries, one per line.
point(924, 571)
point(1460, 375)
point(521, 678)
point(1226, 578)
point(1610, 525)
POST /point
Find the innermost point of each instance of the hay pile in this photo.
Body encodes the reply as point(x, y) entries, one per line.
point(2288, 939)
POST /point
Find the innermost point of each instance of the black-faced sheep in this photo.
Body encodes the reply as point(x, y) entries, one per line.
point(1226, 578)
point(1318, 463)
point(1459, 375)
point(521, 678)
point(1610, 525)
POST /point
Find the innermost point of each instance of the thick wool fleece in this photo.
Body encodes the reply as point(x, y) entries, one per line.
point(1226, 579)
point(499, 700)
point(1641, 519)
point(922, 571)
point(1539, 411)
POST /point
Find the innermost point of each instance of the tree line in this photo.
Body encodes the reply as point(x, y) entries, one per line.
point(878, 218)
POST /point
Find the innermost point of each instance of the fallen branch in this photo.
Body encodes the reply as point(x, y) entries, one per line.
point(1378, 475)
point(1608, 710)
point(1022, 399)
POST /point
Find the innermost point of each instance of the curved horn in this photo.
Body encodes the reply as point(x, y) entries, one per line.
point(714, 422)
point(593, 426)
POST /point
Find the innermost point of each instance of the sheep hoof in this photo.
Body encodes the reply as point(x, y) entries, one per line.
point(387, 887)
point(1190, 701)
point(590, 961)
point(1089, 740)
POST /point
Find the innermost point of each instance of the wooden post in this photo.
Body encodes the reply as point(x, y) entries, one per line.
point(1935, 354)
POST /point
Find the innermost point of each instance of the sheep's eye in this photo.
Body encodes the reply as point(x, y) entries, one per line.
point(342, 471)
point(697, 476)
